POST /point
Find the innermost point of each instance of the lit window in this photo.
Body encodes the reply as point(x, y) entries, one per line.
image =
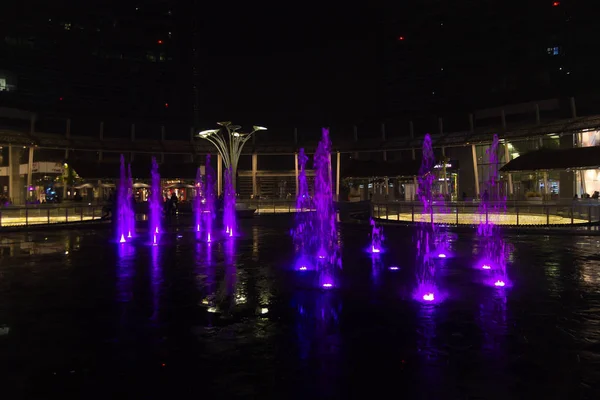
point(3, 85)
point(553, 51)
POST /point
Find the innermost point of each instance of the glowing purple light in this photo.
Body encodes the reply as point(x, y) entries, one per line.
point(229, 202)
point(155, 200)
point(209, 198)
point(376, 237)
point(154, 240)
point(442, 255)
point(122, 239)
point(303, 268)
point(198, 228)
point(428, 297)
point(327, 285)
point(394, 268)
point(499, 283)
point(486, 266)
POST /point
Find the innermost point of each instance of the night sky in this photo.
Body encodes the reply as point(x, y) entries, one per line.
point(294, 64)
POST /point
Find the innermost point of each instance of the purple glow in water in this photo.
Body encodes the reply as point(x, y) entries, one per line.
point(493, 204)
point(441, 255)
point(426, 232)
point(376, 238)
point(393, 268)
point(324, 223)
point(428, 297)
point(209, 198)
point(156, 203)
point(198, 209)
point(229, 204)
point(303, 232)
point(125, 213)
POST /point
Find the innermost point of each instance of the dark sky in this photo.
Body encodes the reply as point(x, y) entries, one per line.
point(291, 63)
point(297, 64)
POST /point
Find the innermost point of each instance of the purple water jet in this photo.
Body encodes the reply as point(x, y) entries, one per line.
point(324, 223)
point(209, 198)
point(303, 232)
point(156, 203)
point(493, 204)
point(426, 290)
point(229, 204)
point(125, 213)
point(376, 238)
point(198, 206)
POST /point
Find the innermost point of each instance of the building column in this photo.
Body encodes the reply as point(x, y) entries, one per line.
point(475, 170)
point(337, 176)
point(29, 171)
point(444, 172)
point(507, 158)
point(546, 191)
point(219, 174)
point(14, 177)
point(296, 170)
point(254, 172)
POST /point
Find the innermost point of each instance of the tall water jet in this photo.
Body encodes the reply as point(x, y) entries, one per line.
point(229, 204)
point(376, 238)
point(198, 206)
point(303, 233)
point(125, 213)
point(492, 205)
point(426, 232)
point(209, 198)
point(324, 223)
point(156, 203)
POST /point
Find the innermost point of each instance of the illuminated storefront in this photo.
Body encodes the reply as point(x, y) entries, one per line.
point(588, 180)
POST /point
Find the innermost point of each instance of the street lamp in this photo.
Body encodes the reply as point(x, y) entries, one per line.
point(229, 142)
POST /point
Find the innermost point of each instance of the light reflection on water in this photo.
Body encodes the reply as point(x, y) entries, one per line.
point(217, 293)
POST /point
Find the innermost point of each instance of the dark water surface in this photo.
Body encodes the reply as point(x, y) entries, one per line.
point(81, 317)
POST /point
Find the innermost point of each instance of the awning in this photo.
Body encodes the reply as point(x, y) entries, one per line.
point(111, 170)
point(556, 159)
point(368, 169)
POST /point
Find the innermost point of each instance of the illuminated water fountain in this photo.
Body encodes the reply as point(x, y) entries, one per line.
point(426, 233)
point(229, 204)
point(492, 206)
point(324, 222)
point(125, 213)
point(198, 206)
point(209, 198)
point(156, 204)
point(376, 238)
point(303, 232)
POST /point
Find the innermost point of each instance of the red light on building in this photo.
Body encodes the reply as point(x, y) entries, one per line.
point(166, 105)
point(60, 99)
point(159, 41)
point(556, 4)
point(401, 38)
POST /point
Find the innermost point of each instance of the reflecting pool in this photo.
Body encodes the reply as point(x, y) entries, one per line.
point(85, 317)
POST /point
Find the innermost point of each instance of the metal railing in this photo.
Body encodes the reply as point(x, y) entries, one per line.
point(513, 214)
point(273, 206)
point(14, 216)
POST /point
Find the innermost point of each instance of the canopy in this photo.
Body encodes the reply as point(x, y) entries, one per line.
point(557, 159)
